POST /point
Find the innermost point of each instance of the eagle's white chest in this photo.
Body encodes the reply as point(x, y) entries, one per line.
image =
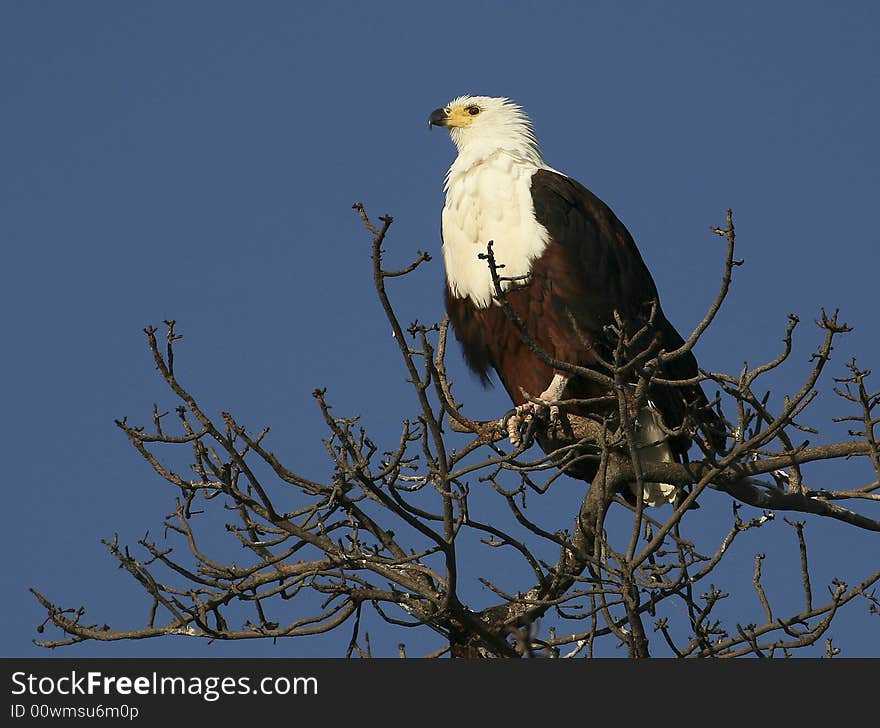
point(489, 200)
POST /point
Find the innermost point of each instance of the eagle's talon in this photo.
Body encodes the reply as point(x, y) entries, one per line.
point(555, 421)
point(505, 421)
point(517, 421)
point(510, 425)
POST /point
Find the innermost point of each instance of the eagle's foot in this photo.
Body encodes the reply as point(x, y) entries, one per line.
point(516, 423)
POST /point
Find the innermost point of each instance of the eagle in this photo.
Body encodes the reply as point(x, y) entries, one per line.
point(568, 269)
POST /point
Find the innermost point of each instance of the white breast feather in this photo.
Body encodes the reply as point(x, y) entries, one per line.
point(490, 199)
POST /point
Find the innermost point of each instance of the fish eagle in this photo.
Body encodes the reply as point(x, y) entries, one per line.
point(567, 267)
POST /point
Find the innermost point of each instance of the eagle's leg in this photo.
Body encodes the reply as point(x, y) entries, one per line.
point(523, 413)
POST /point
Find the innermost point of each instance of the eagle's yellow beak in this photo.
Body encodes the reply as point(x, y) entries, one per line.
point(449, 117)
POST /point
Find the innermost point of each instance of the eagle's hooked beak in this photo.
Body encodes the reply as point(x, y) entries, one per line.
point(438, 117)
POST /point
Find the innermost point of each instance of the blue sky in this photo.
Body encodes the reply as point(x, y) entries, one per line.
point(198, 161)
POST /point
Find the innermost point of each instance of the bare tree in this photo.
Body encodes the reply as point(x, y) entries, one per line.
point(396, 529)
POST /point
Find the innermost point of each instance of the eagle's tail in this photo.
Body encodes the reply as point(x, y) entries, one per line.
point(653, 446)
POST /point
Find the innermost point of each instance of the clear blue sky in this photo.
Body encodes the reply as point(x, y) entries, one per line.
point(198, 161)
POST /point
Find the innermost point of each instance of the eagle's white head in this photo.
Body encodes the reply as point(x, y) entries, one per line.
point(482, 125)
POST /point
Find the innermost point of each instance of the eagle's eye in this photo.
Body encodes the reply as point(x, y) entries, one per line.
point(473, 110)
